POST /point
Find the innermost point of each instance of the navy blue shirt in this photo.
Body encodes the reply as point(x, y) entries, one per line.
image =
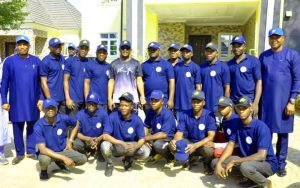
point(186, 78)
point(75, 67)
point(243, 77)
point(98, 73)
point(129, 130)
point(164, 122)
point(230, 125)
point(197, 129)
point(253, 137)
point(92, 125)
point(156, 76)
point(214, 77)
point(21, 78)
point(53, 69)
point(53, 136)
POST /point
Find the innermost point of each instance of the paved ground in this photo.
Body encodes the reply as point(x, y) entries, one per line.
point(26, 174)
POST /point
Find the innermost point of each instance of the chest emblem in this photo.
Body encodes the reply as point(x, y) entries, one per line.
point(188, 74)
point(59, 132)
point(249, 140)
point(130, 130)
point(213, 73)
point(98, 125)
point(201, 126)
point(243, 69)
point(158, 69)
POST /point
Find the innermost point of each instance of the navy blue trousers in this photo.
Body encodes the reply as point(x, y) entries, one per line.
point(282, 145)
point(18, 128)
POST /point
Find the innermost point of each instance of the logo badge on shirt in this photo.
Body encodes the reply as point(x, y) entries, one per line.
point(201, 127)
point(213, 73)
point(98, 125)
point(158, 69)
point(59, 132)
point(33, 66)
point(107, 73)
point(243, 69)
point(130, 130)
point(63, 67)
point(83, 69)
point(228, 131)
point(188, 74)
point(249, 140)
point(158, 126)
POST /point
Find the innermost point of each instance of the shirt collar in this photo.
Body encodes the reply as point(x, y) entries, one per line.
point(57, 120)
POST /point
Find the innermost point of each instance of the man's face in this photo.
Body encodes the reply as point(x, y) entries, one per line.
point(156, 104)
point(101, 55)
point(238, 49)
point(224, 110)
point(125, 107)
point(56, 50)
point(125, 51)
point(71, 51)
point(83, 51)
point(210, 54)
point(197, 105)
point(186, 54)
point(243, 112)
point(173, 53)
point(23, 47)
point(153, 53)
point(276, 41)
point(50, 112)
point(91, 107)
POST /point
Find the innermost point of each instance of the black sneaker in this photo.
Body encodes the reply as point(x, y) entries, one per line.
point(207, 169)
point(44, 175)
point(100, 157)
point(127, 162)
point(246, 183)
point(108, 170)
point(281, 172)
point(18, 159)
point(62, 167)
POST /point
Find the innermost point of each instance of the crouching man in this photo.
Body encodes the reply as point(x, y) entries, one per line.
point(51, 139)
point(125, 136)
point(257, 160)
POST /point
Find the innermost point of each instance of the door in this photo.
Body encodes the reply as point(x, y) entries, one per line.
point(198, 42)
point(9, 48)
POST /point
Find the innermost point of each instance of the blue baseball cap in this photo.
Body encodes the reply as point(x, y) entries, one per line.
point(49, 102)
point(154, 45)
point(238, 39)
point(174, 46)
point(157, 94)
point(102, 47)
point(93, 97)
point(212, 46)
point(180, 154)
point(127, 97)
point(125, 43)
point(225, 101)
point(22, 38)
point(187, 47)
point(199, 95)
point(276, 31)
point(54, 42)
point(244, 101)
point(71, 45)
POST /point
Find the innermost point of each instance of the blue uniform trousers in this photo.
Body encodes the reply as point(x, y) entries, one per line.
point(282, 145)
point(18, 128)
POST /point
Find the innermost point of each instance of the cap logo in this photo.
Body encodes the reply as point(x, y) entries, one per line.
point(209, 44)
point(22, 37)
point(172, 45)
point(56, 40)
point(185, 46)
point(101, 46)
point(125, 42)
point(242, 100)
point(221, 99)
point(152, 44)
point(84, 42)
point(196, 93)
point(273, 31)
point(92, 96)
point(237, 38)
point(126, 94)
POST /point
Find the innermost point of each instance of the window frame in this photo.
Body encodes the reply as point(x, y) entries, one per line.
point(109, 45)
point(229, 53)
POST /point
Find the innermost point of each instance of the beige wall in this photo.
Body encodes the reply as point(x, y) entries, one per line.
point(249, 33)
point(169, 33)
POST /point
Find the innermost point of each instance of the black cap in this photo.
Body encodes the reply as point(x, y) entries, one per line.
point(127, 97)
point(197, 94)
point(225, 101)
point(84, 43)
point(244, 101)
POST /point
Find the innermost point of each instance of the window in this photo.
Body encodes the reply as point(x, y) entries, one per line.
point(111, 41)
point(224, 45)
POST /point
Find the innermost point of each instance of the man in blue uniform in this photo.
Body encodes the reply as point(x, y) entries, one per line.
point(92, 121)
point(245, 73)
point(281, 86)
point(74, 74)
point(158, 74)
point(188, 79)
point(125, 136)
point(161, 122)
point(72, 50)
point(257, 160)
point(21, 79)
point(215, 77)
point(52, 75)
point(200, 126)
point(125, 75)
point(51, 138)
point(174, 54)
point(97, 76)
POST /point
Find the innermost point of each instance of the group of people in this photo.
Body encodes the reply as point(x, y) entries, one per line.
point(227, 111)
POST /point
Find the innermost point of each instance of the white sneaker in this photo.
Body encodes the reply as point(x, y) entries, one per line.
point(3, 160)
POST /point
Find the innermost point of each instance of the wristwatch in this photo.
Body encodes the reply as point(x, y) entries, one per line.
point(292, 101)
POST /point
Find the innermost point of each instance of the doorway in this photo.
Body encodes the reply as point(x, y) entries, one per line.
point(198, 42)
